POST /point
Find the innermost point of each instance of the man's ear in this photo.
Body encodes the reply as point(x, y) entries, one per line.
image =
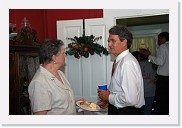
point(124, 43)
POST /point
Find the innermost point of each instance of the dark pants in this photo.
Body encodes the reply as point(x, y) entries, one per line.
point(112, 110)
point(147, 108)
point(162, 96)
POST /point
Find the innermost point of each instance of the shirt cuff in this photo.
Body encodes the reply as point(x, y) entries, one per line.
point(111, 99)
point(149, 58)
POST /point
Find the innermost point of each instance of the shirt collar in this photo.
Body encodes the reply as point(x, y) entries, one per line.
point(47, 73)
point(52, 78)
point(121, 55)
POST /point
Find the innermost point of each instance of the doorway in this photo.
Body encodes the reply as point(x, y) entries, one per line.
point(145, 30)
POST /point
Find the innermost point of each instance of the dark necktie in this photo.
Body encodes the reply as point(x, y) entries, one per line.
point(113, 68)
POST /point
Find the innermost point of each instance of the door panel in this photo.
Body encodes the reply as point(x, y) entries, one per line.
point(73, 66)
point(96, 65)
point(85, 74)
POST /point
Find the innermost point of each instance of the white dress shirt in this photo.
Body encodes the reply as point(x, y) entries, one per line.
point(162, 59)
point(126, 87)
point(46, 92)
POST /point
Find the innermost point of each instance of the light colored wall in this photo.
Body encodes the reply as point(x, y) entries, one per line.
point(163, 27)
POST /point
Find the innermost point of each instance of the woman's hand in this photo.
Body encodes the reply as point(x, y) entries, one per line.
point(40, 113)
point(82, 99)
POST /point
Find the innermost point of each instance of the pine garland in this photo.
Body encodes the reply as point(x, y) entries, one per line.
point(85, 46)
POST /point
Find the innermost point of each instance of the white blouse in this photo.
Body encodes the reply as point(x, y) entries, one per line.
point(46, 92)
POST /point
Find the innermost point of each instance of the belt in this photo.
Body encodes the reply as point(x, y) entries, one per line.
point(162, 76)
point(129, 110)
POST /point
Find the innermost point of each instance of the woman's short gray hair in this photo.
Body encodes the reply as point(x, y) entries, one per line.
point(49, 48)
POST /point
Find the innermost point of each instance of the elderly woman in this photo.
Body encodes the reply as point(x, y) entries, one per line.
point(49, 91)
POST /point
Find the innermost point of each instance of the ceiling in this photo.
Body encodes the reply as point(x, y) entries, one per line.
point(147, 20)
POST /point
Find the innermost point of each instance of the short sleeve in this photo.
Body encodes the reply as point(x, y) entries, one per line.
point(39, 97)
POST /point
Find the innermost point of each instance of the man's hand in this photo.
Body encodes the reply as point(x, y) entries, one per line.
point(145, 52)
point(103, 95)
point(103, 104)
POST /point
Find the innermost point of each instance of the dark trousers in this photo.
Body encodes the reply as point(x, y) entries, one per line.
point(112, 110)
point(162, 96)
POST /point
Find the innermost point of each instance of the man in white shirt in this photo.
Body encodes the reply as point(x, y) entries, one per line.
point(162, 84)
point(125, 94)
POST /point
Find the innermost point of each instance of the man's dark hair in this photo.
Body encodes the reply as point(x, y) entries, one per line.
point(164, 35)
point(123, 34)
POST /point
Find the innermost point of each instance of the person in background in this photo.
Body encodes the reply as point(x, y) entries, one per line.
point(125, 94)
point(137, 55)
point(50, 92)
point(162, 83)
point(149, 79)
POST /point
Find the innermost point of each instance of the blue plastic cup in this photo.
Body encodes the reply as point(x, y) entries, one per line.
point(103, 87)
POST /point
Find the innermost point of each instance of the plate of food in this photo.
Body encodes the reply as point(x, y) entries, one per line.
point(90, 106)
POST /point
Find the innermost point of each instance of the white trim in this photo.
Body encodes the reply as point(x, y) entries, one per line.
point(129, 13)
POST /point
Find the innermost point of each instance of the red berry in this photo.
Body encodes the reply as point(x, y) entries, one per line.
point(76, 46)
point(85, 49)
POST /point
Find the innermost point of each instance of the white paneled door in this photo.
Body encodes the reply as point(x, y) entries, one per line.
point(73, 68)
point(85, 74)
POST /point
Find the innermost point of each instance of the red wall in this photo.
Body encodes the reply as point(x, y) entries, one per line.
point(35, 18)
point(44, 20)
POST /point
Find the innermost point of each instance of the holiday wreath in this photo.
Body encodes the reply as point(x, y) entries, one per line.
point(85, 45)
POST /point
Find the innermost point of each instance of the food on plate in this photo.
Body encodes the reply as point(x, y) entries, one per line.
point(82, 102)
point(93, 106)
point(90, 106)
